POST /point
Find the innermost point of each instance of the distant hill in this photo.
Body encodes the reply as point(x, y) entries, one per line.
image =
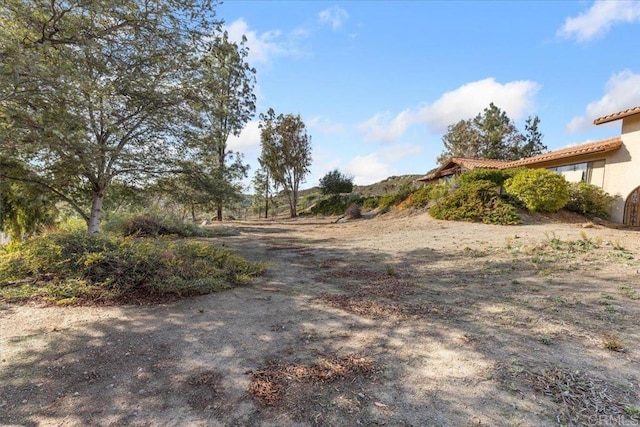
point(389, 185)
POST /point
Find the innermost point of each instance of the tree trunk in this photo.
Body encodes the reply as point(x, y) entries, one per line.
point(96, 212)
point(219, 212)
point(193, 212)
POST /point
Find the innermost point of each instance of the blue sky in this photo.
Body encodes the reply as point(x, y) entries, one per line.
point(377, 83)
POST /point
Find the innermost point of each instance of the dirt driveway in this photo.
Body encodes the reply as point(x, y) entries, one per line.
point(399, 320)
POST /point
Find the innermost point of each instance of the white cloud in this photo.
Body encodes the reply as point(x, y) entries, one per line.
point(334, 16)
point(249, 138)
point(377, 166)
point(622, 91)
point(264, 46)
point(368, 169)
point(515, 98)
point(326, 126)
point(599, 18)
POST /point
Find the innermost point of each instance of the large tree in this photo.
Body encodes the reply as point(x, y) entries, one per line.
point(93, 91)
point(225, 101)
point(462, 139)
point(491, 135)
point(286, 152)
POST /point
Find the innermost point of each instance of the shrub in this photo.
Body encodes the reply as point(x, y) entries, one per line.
point(476, 201)
point(419, 198)
point(74, 267)
point(335, 205)
point(497, 176)
point(370, 202)
point(154, 225)
point(589, 200)
point(353, 211)
point(391, 199)
point(540, 190)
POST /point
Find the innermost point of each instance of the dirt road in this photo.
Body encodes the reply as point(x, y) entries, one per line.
point(399, 320)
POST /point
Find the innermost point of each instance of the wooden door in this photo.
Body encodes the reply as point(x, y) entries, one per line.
point(632, 209)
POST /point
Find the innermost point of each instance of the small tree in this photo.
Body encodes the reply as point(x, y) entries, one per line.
point(335, 182)
point(532, 139)
point(540, 190)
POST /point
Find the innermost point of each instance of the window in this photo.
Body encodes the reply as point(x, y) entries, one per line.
point(590, 172)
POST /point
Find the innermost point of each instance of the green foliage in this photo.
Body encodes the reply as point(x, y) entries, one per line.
point(99, 91)
point(285, 152)
point(540, 190)
point(589, 200)
point(392, 199)
point(476, 201)
point(532, 139)
point(491, 135)
point(497, 176)
point(24, 209)
point(155, 225)
point(419, 198)
point(335, 182)
point(73, 267)
point(370, 202)
point(335, 205)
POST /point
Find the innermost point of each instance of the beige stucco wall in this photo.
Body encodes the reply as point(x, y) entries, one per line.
point(622, 171)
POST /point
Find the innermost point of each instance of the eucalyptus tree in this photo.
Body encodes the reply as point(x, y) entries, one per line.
point(225, 102)
point(286, 152)
point(94, 90)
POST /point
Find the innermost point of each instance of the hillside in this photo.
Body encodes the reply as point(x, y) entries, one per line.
point(389, 185)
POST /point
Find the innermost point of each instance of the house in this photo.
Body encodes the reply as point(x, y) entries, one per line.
point(612, 164)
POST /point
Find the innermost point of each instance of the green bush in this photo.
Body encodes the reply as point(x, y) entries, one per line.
point(335, 205)
point(589, 200)
point(497, 176)
point(73, 267)
point(540, 190)
point(475, 201)
point(370, 202)
point(154, 225)
point(419, 198)
point(389, 200)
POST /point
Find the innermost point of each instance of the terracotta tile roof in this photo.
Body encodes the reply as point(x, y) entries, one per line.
point(616, 116)
point(448, 168)
point(601, 146)
point(479, 163)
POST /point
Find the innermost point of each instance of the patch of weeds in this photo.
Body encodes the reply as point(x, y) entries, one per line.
point(622, 254)
point(546, 340)
point(632, 411)
point(473, 253)
point(605, 300)
point(613, 344)
point(391, 271)
point(629, 292)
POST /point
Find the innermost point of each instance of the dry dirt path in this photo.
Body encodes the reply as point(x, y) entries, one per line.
point(396, 320)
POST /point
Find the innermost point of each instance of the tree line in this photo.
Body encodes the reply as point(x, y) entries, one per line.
point(101, 101)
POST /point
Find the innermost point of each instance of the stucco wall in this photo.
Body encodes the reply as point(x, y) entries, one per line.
point(622, 174)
